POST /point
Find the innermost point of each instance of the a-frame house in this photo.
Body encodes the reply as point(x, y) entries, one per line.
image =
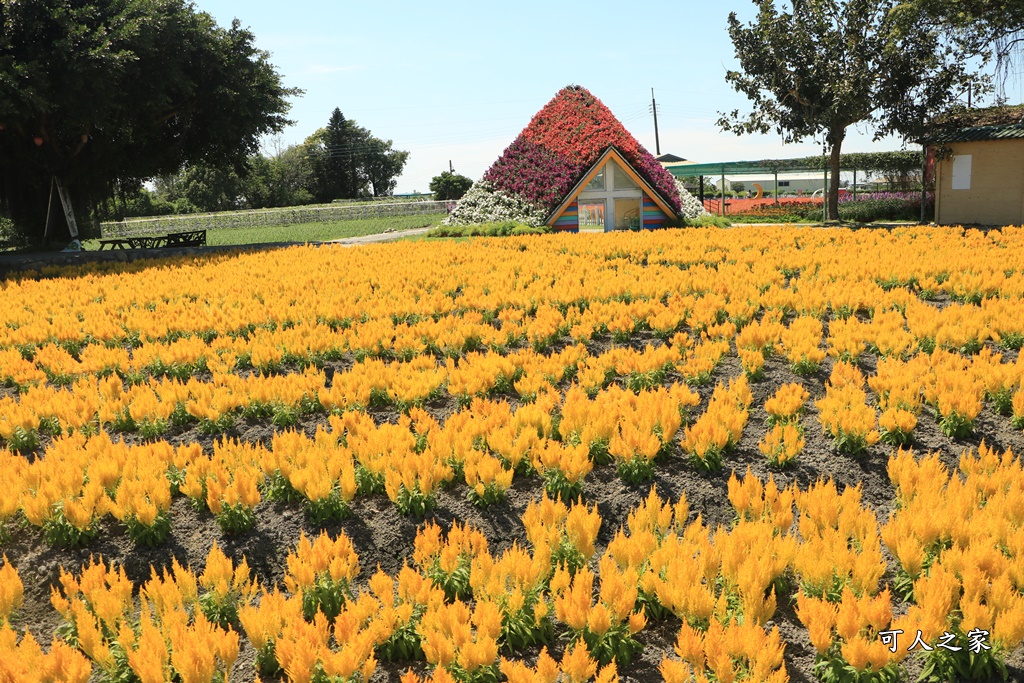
point(577, 166)
point(611, 195)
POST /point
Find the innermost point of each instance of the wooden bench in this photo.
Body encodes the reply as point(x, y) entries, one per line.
point(113, 244)
point(194, 238)
point(139, 242)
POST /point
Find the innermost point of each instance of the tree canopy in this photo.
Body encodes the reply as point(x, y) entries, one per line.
point(341, 161)
point(381, 164)
point(449, 185)
point(110, 92)
point(826, 65)
point(992, 29)
point(996, 17)
point(350, 162)
point(282, 178)
point(335, 160)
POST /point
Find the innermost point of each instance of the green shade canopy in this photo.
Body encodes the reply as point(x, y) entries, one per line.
point(892, 162)
point(729, 168)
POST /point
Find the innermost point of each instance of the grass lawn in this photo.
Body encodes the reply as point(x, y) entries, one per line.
point(309, 232)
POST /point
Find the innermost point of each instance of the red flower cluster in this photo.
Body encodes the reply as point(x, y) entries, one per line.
point(562, 141)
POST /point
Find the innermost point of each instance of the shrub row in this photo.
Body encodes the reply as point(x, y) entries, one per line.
point(496, 229)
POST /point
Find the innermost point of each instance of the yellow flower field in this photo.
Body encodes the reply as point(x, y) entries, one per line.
point(684, 455)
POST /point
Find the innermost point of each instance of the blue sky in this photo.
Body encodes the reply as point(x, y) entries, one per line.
point(458, 80)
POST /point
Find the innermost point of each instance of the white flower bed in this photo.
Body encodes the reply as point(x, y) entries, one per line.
point(484, 204)
point(689, 206)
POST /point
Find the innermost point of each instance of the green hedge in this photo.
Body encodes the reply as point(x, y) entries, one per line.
point(506, 228)
point(707, 220)
point(499, 229)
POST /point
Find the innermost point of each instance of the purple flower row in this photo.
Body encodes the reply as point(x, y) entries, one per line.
point(535, 174)
point(913, 198)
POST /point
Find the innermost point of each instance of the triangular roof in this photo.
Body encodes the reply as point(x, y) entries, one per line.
point(610, 153)
point(562, 143)
point(669, 158)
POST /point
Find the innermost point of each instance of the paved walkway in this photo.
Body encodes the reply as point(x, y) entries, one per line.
point(37, 261)
point(379, 237)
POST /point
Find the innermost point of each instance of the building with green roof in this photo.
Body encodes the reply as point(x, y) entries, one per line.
point(979, 169)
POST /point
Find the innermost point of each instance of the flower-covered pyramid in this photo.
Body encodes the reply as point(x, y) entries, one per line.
point(552, 154)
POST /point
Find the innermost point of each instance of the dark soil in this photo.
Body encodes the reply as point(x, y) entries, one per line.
point(383, 537)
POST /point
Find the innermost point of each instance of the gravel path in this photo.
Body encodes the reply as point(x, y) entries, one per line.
point(380, 237)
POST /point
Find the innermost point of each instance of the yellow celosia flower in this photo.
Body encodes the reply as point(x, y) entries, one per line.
point(577, 666)
point(11, 590)
point(787, 402)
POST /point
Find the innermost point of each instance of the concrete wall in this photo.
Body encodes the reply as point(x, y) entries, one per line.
point(996, 192)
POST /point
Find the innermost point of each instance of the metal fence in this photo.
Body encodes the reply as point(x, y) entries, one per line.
point(260, 218)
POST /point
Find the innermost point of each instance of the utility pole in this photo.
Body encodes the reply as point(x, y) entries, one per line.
point(451, 169)
point(654, 108)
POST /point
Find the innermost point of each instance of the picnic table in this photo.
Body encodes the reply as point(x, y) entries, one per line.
point(194, 238)
point(132, 243)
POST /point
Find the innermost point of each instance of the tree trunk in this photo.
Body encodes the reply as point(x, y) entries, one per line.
point(835, 141)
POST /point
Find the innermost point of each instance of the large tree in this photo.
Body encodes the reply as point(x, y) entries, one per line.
point(381, 164)
point(110, 92)
point(349, 162)
point(989, 28)
point(450, 185)
point(282, 178)
point(210, 188)
point(813, 68)
point(335, 159)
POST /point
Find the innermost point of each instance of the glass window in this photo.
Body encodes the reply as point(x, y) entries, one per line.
point(598, 182)
point(591, 215)
point(627, 214)
point(622, 180)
